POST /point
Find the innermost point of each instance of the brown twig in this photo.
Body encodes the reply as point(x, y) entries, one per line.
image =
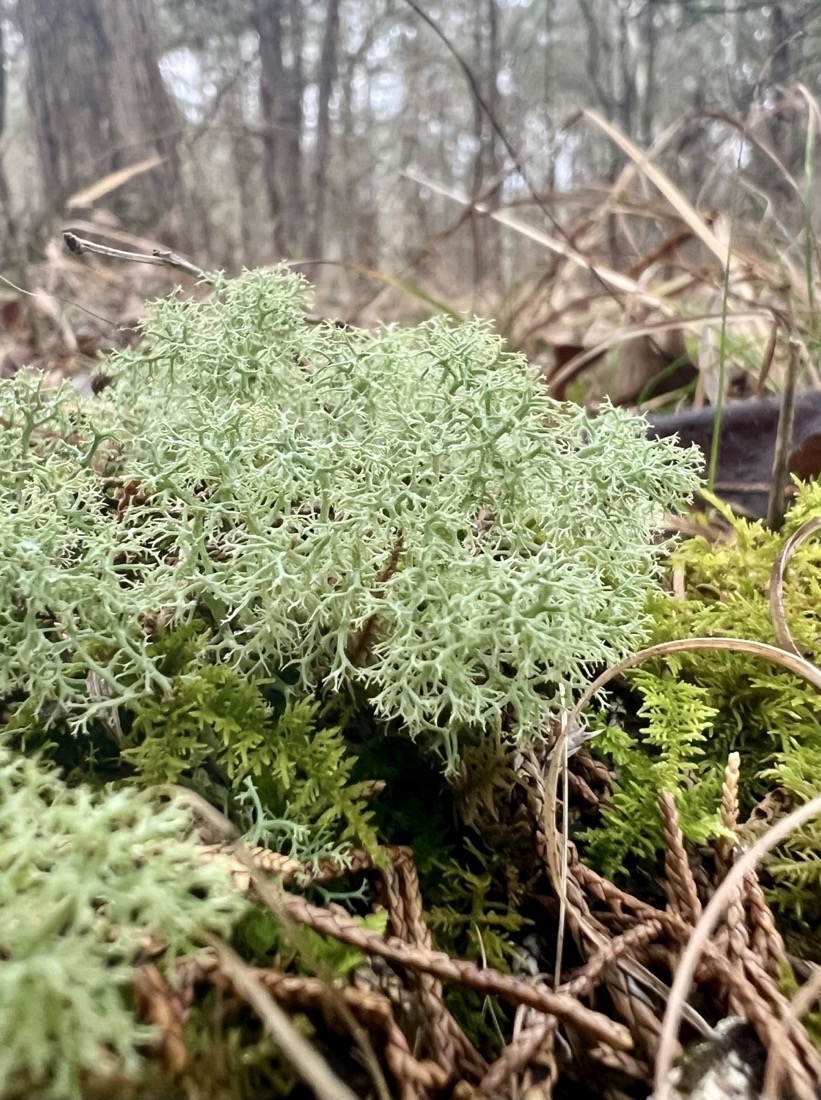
point(361, 642)
point(306, 1060)
point(783, 440)
point(161, 257)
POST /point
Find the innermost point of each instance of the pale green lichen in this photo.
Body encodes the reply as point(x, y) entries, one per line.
point(83, 879)
point(305, 487)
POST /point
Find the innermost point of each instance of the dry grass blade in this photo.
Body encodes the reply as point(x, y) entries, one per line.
point(112, 181)
point(783, 634)
point(683, 207)
point(767, 360)
point(383, 277)
point(308, 1063)
point(704, 929)
point(614, 279)
point(572, 367)
point(77, 246)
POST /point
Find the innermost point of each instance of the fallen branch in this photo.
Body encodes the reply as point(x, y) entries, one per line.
point(162, 257)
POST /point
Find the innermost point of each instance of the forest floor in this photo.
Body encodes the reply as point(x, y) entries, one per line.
point(535, 961)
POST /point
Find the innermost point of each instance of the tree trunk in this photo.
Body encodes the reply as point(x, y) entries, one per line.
point(8, 227)
point(327, 76)
point(279, 26)
point(98, 104)
point(485, 232)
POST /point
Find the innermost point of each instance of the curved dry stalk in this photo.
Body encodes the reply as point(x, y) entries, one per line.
point(778, 616)
point(305, 1059)
point(704, 929)
point(808, 995)
point(674, 196)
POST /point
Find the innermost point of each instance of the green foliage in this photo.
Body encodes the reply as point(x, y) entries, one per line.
point(472, 917)
point(471, 922)
point(313, 496)
point(666, 754)
point(269, 545)
point(82, 879)
point(285, 778)
point(300, 946)
point(702, 706)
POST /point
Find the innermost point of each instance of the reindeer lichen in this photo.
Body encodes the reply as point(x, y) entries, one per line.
point(83, 879)
point(401, 513)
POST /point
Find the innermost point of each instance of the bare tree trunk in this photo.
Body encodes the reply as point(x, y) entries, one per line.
point(294, 194)
point(781, 38)
point(327, 76)
point(247, 177)
point(485, 232)
point(98, 104)
point(627, 90)
point(8, 227)
point(649, 35)
point(549, 63)
point(279, 26)
point(267, 20)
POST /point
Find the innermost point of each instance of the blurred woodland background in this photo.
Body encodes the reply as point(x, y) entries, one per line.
point(468, 155)
point(630, 189)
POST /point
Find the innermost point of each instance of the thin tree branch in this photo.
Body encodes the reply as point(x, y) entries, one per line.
point(162, 257)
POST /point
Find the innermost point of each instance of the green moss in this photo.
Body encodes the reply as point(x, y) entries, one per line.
point(699, 707)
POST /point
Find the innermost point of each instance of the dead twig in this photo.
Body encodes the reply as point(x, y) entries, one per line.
point(161, 257)
point(783, 439)
point(306, 1060)
point(360, 644)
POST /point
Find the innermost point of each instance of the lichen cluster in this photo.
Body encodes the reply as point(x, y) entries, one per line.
point(83, 879)
point(399, 513)
point(266, 549)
